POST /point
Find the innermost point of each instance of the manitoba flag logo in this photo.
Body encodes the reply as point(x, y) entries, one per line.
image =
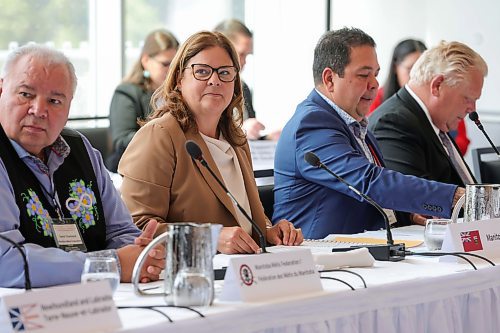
point(25, 318)
point(471, 240)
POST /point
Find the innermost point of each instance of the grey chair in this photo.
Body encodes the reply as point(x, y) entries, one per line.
point(99, 138)
point(486, 165)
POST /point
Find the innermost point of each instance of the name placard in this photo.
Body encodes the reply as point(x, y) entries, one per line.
point(262, 152)
point(267, 276)
point(75, 308)
point(479, 237)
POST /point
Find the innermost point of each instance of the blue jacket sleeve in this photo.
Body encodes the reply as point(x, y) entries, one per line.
point(333, 144)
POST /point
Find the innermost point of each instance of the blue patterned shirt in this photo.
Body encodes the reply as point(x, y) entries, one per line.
point(52, 266)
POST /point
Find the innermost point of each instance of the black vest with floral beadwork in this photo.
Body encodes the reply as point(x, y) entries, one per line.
point(76, 186)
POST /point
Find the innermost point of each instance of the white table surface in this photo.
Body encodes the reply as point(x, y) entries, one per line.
point(415, 295)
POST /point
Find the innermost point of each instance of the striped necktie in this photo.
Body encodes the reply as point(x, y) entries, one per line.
point(453, 157)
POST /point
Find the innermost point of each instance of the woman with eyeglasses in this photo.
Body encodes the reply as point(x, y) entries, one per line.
point(201, 100)
point(131, 99)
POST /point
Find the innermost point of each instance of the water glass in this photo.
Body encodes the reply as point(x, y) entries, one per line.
point(101, 268)
point(434, 233)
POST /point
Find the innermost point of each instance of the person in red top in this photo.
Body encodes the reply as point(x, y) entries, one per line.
point(405, 54)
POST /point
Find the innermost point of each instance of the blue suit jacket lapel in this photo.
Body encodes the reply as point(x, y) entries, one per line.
point(317, 99)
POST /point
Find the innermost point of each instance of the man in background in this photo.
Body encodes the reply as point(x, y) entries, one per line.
point(242, 39)
point(412, 127)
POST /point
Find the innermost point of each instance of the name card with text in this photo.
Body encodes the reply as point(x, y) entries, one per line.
point(267, 276)
point(479, 237)
point(77, 308)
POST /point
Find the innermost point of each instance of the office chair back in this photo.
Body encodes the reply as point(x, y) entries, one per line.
point(265, 185)
point(486, 165)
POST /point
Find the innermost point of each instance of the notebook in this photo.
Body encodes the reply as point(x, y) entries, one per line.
point(345, 241)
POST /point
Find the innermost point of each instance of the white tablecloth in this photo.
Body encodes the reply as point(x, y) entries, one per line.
point(416, 295)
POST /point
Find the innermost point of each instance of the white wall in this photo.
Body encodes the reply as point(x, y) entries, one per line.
point(285, 34)
point(472, 22)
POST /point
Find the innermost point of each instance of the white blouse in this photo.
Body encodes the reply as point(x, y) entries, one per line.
point(229, 167)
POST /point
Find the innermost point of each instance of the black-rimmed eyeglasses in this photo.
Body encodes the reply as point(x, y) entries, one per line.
point(204, 72)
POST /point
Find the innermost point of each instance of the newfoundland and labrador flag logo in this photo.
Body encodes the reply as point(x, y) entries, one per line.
point(471, 240)
point(25, 318)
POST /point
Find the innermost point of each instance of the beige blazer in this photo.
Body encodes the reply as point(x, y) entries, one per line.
point(161, 181)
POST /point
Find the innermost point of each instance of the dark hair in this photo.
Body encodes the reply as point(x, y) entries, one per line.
point(168, 99)
point(156, 42)
point(403, 49)
point(231, 28)
point(334, 50)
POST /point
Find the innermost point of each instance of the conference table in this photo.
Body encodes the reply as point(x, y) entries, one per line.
point(418, 294)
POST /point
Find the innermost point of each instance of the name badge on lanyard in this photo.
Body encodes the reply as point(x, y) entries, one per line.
point(67, 234)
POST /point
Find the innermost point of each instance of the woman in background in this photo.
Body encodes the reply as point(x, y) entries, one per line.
point(201, 100)
point(404, 56)
point(131, 100)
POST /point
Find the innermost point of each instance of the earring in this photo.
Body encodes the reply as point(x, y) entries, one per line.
point(146, 74)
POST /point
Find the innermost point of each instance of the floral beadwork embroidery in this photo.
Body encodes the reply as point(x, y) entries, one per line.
point(39, 215)
point(81, 203)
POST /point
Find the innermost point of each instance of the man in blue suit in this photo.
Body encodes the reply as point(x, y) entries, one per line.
point(332, 123)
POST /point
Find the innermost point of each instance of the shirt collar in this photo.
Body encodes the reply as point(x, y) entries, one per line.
point(422, 105)
point(60, 147)
point(361, 126)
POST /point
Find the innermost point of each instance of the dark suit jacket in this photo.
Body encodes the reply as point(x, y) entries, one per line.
point(408, 141)
point(313, 200)
point(130, 103)
point(248, 111)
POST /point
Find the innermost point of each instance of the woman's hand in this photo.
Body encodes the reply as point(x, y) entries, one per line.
point(235, 240)
point(284, 233)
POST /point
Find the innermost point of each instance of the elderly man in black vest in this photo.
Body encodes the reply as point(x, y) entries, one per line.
point(51, 176)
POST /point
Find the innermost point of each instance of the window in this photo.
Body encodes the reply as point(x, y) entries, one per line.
point(62, 24)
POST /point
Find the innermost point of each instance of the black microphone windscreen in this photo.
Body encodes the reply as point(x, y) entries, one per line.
point(193, 150)
point(474, 116)
point(312, 159)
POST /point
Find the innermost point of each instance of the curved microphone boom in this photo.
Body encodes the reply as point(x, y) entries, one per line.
point(391, 251)
point(195, 152)
point(27, 280)
point(475, 118)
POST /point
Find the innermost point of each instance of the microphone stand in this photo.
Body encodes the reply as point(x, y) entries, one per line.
point(475, 118)
point(27, 280)
point(388, 252)
point(195, 152)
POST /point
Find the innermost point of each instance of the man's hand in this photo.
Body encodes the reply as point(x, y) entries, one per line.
point(154, 263)
point(252, 128)
point(420, 219)
point(235, 240)
point(458, 194)
point(273, 135)
point(284, 233)
point(147, 234)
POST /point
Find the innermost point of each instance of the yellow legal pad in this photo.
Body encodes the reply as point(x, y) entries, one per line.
point(374, 241)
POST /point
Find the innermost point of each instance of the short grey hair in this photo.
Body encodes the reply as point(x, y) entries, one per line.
point(49, 55)
point(453, 60)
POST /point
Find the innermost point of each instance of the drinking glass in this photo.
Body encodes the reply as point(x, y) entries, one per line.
point(101, 268)
point(434, 233)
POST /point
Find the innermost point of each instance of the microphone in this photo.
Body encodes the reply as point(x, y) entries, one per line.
point(195, 152)
point(389, 252)
point(27, 280)
point(475, 118)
